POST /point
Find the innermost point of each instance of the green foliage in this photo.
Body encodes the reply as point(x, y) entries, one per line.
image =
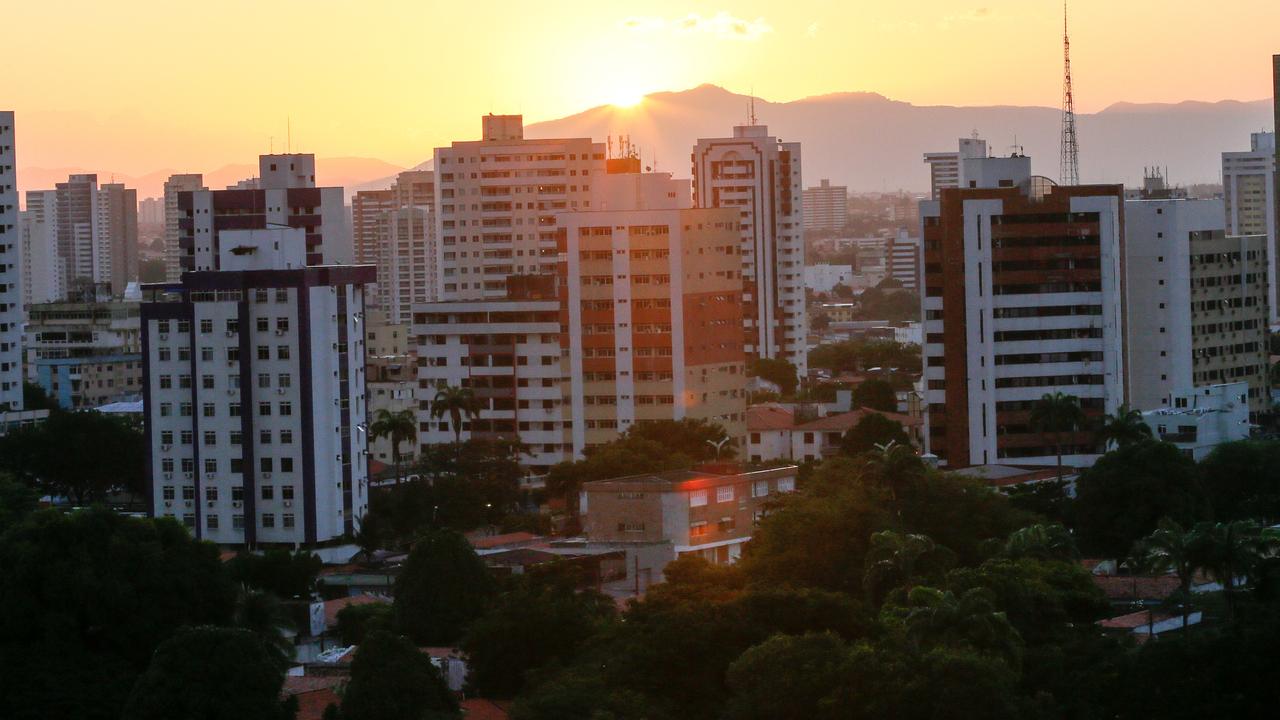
point(443, 587)
point(35, 398)
point(876, 395)
point(89, 597)
point(392, 680)
point(262, 614)
point(459, 404)
point(538, 619)
point(872, 430)
point(634, 452)
point(1047, 498)
point(17, 501)
point(398, 427)
point(83, 455)
point(777, 371)
point(1242, 480)
point(856, 355)
point(210, 673)
point(1056, 415)
point(357, 621)
point(1042, 542)
point(1123, 427)
point(287, 574)
point(1127, 491)
point(787, 677)
point(151, 271)
point(688, 438)
point(888, 304)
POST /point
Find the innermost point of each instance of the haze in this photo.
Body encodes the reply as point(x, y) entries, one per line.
point(189, 86)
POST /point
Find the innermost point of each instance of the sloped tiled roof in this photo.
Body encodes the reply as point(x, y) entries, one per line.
point(769, 417)
point(844, 421)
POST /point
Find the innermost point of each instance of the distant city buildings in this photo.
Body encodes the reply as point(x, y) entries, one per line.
point(823, 278)
point(255, 394)
point(172, 220)
point(1023, 296)
point(902, 256)
point(826, 207)
point(11, 271)
point(85, 354)
point(759, 176)
point(81, 238)
point(1196, 302)
point(284, 195)
point(394, 229)
point(947, 169)
point(1249, 194)
point(495, 201)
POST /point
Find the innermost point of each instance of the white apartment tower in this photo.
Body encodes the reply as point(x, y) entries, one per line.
point(43, 279)
point(254, 394)
point(395, 230)
point(10, 271)
point(283, 195)
point(495, 201)
point(85, 234)
point(946, 169)
point(1023, 296)
point(759, 176)
point(1196, 305)
point(192, 182)
point(1249, 193)
point(826, 207)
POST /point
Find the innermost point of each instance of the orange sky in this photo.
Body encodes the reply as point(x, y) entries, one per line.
point(140, 85)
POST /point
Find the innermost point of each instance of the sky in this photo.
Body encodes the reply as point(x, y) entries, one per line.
point(135, 86)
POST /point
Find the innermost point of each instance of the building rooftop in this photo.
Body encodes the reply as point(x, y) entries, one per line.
point(847, 420)
point(769, 417)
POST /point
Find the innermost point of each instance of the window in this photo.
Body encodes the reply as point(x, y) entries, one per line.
point(282, 352)
point(166, 382)
point(264, 408)
point(263, 324)
point(184, 382)
point(724, 494)
point(265, 464)
point(697, 498)
point(286, 408)
point(237, 493)
point(288, 519)
point(786, 484)
point(184, 353)
point(211, 466)
point(264, 352)
point(698, 528)
point(233, 354)
point(206, 325)
point(264, 380)
point(286, 491)
point(236, 437)
point(235, 409)
point(188, 492)
point(164, 354)
point(184, 409)
point(237, 466)
point(167, 466)
point(168, 492)
point(211, 522)
point(207, 382)
point(233, 325)
point(166, 437)
point(186, 436)
point(237, 522)
point(211, 494)
point(264, 437)
point(286, 437)
point(268, 492)
point(210, 437)
point(282, 324)
point(760, 488)
point(284, 380)
point(206, 354)
point(268, 520)
point(282, 295)
point(286, 465)
point(209, 410)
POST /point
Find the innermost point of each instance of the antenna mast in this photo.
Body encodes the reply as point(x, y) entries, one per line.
point(1069, 168)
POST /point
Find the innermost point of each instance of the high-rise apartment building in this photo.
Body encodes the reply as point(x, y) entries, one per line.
point(758, 175)
point(1197, 303)
point(496, 200)
point(902, 260)
point(284, 194)
point(946, 169)
point(394, 229)
point(43, 279)
point(826, 207)
point(116, 258)
point(1249, 192)
point(254, 394)
point(93, 231)
point(643, 323)
point(191, 182)
point(10, 271)
point(1023, 296)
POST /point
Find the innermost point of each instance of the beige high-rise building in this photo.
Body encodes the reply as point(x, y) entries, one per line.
point(826, 207)
point(1250, 202)
point(393, 229)
point(496, 200)
point(174, 185)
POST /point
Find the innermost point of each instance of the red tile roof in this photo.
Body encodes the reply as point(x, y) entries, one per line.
point(1136, 587)
point(483, 709)
point(844, 421)
point(333, 607)
point(493, 541)
point(314, 694)
point(769, 417)
point(1134, 620)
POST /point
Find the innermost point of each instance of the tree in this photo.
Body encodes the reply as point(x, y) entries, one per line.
point(83, 455)
point(210, 673)
point(262, 614)
point(629, 455)
point(786, 677)
point(1041, 542)
point(898, 560)
point(443, 587)
point(17, 501)
point(940, 618)
point(1123, 427)
point(872, 431)
point(289, 575)
point(1123, 497)
point(357, 621)
point(392, 680)
point(1242, 480)
point(34, 397)
point(1170, 548)
point(90, 595)
point(1230, 551)
point(692, 439)
point(877, 395)
point(397, 427)
point(777, 371)
point(540, 618)
point(1054, 415)
point(456, 402)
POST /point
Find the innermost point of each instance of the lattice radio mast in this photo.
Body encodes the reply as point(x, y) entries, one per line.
point(1069, 168)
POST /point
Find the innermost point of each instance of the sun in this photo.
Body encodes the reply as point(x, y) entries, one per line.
point(626, 97)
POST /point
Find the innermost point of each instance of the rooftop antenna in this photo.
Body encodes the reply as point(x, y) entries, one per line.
point(1069, 165)
point(752, 116)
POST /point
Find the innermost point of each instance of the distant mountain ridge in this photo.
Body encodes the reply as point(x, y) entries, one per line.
point(870, 142)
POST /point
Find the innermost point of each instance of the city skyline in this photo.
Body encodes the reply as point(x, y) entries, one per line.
point(397, 104)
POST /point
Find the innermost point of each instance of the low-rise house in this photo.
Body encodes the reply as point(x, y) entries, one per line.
point(1200, 419)
point(773, 434)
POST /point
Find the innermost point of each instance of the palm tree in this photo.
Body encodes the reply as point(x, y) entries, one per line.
point(398, 427)
point(1230, 551)
point(456, 402)
point(1171, 549)
point(937, 618)
point(262, 614)
point(1123, 427)
point(896, 558)
point(1041, 542)
point(1055, 414)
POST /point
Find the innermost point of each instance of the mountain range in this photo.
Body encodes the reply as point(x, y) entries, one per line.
point(860, 139)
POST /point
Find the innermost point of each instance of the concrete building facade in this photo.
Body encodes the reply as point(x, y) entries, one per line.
point(902, 260)
point(946, 169)
point(1024, 292)
point(11, 271)
point(759, 176)
point(191, 182)
point(1251, 203)
point(826, 207)
point(255, 394)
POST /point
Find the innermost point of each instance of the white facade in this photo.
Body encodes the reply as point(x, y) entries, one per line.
point(174, 185)
point(947, 169)
point(1249, 194)
point(824, 278)
point(495, 204)
point(826, 207)
point(760, 176)
point(1199, 419)
point(902, 260)
point(255, 395)
point(10, 271)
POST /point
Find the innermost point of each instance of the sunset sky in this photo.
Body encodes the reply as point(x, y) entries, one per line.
point(137, 86)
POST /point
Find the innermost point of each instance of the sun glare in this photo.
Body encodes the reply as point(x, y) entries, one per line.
point(626, 97)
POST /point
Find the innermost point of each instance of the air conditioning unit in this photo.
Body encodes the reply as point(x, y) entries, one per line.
point(266, 476)
point(164, 336)
point(288, 503)
point(237, 503)
point(231, 333)
point(232, 363)
point(231, 391)
point(165, 448)
point(168, 476)
point(280, 391)
point(211, 476)
point(211, 503)
point(280, 332)
point(168, 503)
point(189, 476)
point(188, 503)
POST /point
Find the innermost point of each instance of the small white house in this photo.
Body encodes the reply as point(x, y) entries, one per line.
point(1203, 418)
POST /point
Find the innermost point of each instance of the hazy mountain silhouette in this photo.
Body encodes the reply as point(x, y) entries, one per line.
point(347, 172)
point(870, 142)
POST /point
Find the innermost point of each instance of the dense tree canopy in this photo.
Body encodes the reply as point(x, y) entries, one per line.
point(876, 395)
point(82, 455)
point(777, 371)
point(392, 680)
point(871, 431)
point(443, 587)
